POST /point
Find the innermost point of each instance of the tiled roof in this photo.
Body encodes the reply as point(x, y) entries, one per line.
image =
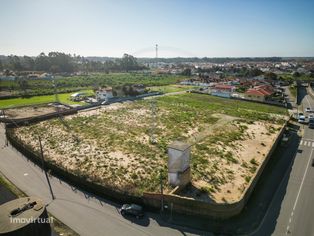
point(223, 86)
point(261, 90)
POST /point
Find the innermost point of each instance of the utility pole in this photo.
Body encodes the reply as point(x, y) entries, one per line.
point(156, 56)
point(153, 121)
point(162, 192)
point(44, 168)
point(5, 128)
point(56, 94)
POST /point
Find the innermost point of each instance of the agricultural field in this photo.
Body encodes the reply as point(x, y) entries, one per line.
point(111, 145)
point(35, 100)
point(74, 83)
point(170, 88)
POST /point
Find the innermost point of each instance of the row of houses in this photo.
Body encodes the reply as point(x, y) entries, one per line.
point(261, 92)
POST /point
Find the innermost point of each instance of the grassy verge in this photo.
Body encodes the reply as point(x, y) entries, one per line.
point(63, 97)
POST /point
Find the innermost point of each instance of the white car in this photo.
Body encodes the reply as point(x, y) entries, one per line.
point(308, 109)
point(301, 119)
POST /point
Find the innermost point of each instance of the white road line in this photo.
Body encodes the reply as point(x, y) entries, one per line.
point(309, 144)
point(307, 166)
point(301, 142)
point(298, 195)
point(312, 144)
point(308, 139)
point(305, 142)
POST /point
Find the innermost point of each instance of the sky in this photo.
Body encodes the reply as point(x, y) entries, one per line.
point(181, 28)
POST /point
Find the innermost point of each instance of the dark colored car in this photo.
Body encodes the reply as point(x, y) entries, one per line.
point(132, 209)
point(313, 162)
point(311, 124)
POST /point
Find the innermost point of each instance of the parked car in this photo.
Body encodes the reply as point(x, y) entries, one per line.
point(311, 123)
point(309, 110)
point(311, 117)
point(285, 138)
point(313, 162)
point(301, 119)
point(132, 209)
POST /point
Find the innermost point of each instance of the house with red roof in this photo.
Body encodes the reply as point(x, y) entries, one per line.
point(259, 93)
point(223, 90)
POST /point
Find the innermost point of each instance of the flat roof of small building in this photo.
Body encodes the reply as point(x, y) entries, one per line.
point(8, 209)
point(179, 145)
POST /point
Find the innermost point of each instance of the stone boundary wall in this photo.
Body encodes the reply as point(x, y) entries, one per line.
point(90, 184)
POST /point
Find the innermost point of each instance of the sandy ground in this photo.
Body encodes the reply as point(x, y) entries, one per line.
point(30, 111)
point(255, 147)
point(115, 159)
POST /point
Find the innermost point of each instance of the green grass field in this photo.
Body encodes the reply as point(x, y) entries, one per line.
point(170, 88)
point(63, 97)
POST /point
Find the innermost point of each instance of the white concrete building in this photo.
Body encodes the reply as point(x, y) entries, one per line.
point(104, 94)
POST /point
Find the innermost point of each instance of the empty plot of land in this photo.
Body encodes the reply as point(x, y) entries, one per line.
point(30, 111)
point(111, 145)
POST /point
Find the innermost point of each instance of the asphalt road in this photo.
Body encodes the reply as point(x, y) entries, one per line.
point(84, 213)
point(293, 214)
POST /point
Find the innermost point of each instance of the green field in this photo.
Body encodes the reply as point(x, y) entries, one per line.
point(63, 98)
point(75, 83)
point(170, 88)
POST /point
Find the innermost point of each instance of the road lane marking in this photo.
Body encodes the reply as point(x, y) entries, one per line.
point(300, 188)
point(312, 144)
point(307, 166)
point(308, 139)
point(301, 142)
point(305, 142)
point(25, 174)
point(309, 144)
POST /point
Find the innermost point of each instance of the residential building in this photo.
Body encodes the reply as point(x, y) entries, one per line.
point(223, 90)
point(259, 93)
point(104, 94)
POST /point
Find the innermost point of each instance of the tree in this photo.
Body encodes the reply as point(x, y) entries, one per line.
point(23, 84)
point(186, 72)
point(28, 63)
point(270, 75)
point(296, 74)
point(253, 72)
point(15, 63)
point(42, 62)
